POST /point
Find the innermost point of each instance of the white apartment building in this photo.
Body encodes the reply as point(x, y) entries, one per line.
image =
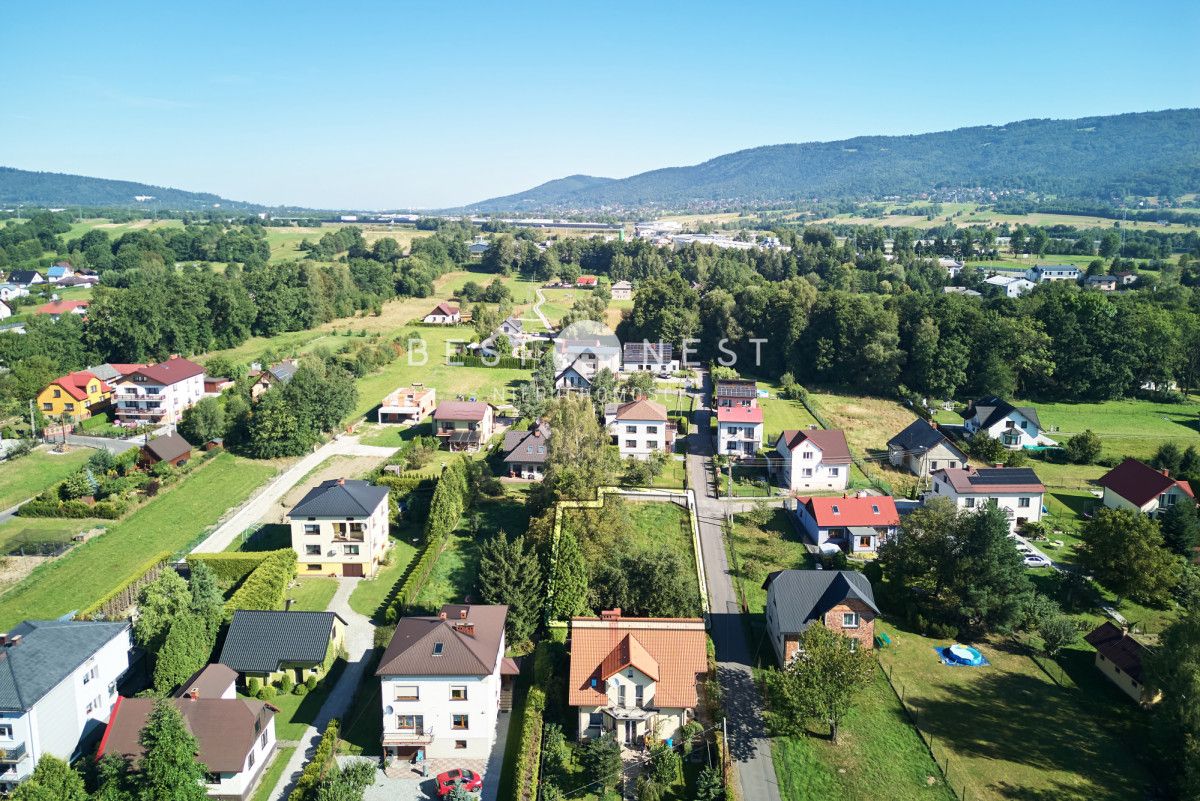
point(340, 528)
point(1015, 490)
point(640, 428)
point(158, 394)
point(1053, 272)
point(1013, 286)
point(814, 458)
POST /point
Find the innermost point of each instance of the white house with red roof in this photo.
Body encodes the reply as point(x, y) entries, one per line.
point(814, 458)
point(463, 425)
point(158, 394)
point(858, 524)
point(739, 430)
point(1015, 490)
point(444, 314)
point(1135, 485)
point(641, 427)
point(586, 282)
point(57, 308)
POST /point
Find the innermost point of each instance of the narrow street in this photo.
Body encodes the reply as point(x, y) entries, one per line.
point(748, 743)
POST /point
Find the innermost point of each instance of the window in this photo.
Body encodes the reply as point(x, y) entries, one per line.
point(595, 720)
point(933, 465)
point(620, 695)
point(112, 688)
point(314, 567)
point(458, 692)
point(639, 695)
point(460, 744)
point(70, 407)
point(631, 443)
point(835, 509)
point(263, 740)
point(312, 550)
point(312, 528)
point(47, 407)
point(458, 721)
point(806, 472)
point(849, 620)
point(413, 723)
point(652, 444)
point(407, 692)
point(1023, 503)
point(6, 731)
point(350, 550)
point(651, 429)
point(834, 471)
point(969, 503)
point(212, 778)
point(438, 647)
point(58, 393)
point(250, 762)
point(630, 429)
point(875, 508)
point(808, 455)
point(91, 674)
point(853, 645)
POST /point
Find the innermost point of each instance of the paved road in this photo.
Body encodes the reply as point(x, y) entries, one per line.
point(748, 743)
point(113, 445)
point(261, 504)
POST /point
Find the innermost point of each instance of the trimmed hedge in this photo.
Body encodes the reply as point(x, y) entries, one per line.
point(503, 362)
point(232, 567)
point(42, 507)
point(405, 483)
point(529, 757)
point(131, 585)
point(310, 778)
point(266, 585)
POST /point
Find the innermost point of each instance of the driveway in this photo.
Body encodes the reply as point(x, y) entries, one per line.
point(114, 446)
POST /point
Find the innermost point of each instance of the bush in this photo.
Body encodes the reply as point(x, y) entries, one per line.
point(529, 755)
point(286, 684)
point(265, 587)
point(300, 689)
point(229, 568)
point(310, 778)
point(254, 685)
point(1083, 448)
point(311, 683)
point(265, 692)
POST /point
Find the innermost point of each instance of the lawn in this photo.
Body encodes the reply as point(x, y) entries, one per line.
point(171, 521)
point(760, 550)
point(312, 594)
point(27, 476)
point(27, 531)
point(370, 595)
point(273, 773)
point(1126, 427)
point(780, 415)
point(673, 474)
point(362, 725)
point(1009, 731)
point(297, 712)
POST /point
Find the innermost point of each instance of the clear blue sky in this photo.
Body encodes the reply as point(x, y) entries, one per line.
point(388, 104)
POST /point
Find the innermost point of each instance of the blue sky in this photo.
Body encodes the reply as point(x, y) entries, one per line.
point(384, 105)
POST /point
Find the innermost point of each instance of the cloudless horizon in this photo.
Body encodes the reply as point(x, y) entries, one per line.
point(377, 105)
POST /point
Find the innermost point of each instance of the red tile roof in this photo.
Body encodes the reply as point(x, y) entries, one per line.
point(672, 649)
point(172, 371)
point(460, 410)
point(444, 308)
point(585, 280)
point(61, 306)
point(739, 414)
point(76, 383)
point(869, 510)
point(1140, 483)
point(831, 442)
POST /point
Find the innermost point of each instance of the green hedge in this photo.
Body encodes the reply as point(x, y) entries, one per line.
point(266, 585)
point(130, 583)
point(529, 757)
point(40, 507)
point(230, 568)
point(503, 362)
point(406, 483)
point(310, 778)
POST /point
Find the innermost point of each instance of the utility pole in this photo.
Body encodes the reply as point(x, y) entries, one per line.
point(32, 424)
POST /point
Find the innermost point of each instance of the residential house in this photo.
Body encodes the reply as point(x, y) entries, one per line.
point(340, 528)
point(953, 267)
point(275, 374)
point(444, 681)
point(739, 430)
point(113, 373)
point(80, 279)
point(478, 247)
point(1138, 486)
point(463, 425)
point(814, 458)
point(1015, 426)
point(444, 314)
point(525, 451)
point(736, 392)
point(637, 678)
point(214, 680)
point(512, 329)
point(622, 290)
point(1104, 283)
point(75, 395)
point(1012, 286)
point(857, 525)
point(5, 310)
point(158, 394)
point(641, 428)
point(1120, 658)
point(1040, 273)
point(922, 448)
point(59, 272)
point(1016, 490)
point(960, 290)
point(266, 644)
point(840, 600)
point(575, 377)
point(170, 448)
point(26, 278)
point(215, 385)
point(9, 291)
point(1126, 277)
point(235, 738)
point(586, 282)
point(58, 683)
point(407, 405)
point(57, 308)
point(588, 355)
point(648, 357)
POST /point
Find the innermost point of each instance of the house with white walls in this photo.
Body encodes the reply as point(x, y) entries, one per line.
point(1017, 491)
point(1015, 426)
point(739, 430)
point(1138, 486)
point(641, 427)
point(812, 459)
point(158, 394)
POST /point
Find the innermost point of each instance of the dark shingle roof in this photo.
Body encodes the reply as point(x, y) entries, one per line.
point(1119, 648)
point(168, 447)
point(431, 646)
point(340, 498)
point(919, 437)
point(994, 409)
point(515, 443)
point(48, 652)
point(22, 276)
point(260, 641)
point(805, 595)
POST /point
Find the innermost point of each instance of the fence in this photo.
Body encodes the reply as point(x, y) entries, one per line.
point(861, 464)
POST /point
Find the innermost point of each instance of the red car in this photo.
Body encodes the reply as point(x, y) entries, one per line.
point(471, 781)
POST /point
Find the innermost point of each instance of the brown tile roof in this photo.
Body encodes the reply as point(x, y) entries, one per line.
point(832, 442)
point(642, 409)
point(172, 371)
point(1140, 483)
point(224, 728)
point(1119, 648)
point(168, 447)
point(465, 642)
point(460, 410)
point(670, 650)
point(444, 308)
point(211, 681)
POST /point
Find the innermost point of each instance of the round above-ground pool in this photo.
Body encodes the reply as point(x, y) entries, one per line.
point(965, 654)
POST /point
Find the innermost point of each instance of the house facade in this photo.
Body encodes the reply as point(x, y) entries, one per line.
point(649, 357)
point(1013, 286)
point(57, 689)
point(267, 644)
point(464, 425)
point(857, 525)
point(813, 459)
point(1137, 486)
point(525, 452)
point(1104, 283)
point(587, 355)
point(637, 678)
point(275, 374)
point(840, 600)
point(1015, 490)
point(739, 430)
point(922, 448)
point(75, 395)
point(158, 394)
point(1119, 657)
point(1040, 273)
point(445, 681)
point(641, 428)
point(10, 291)
point(340, 528)
point(407, 405)
point(735, 392)
point(26, 278)
point(444, 314)
point(575, 377)
point(1014, 426)
point(622, 290)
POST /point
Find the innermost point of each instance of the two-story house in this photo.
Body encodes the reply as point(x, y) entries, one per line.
point(635, 677)
point(58, 683)
point(857, 525)
point(622, 290)
point(444, 681)
point(273, 375)
point(735, 392)
point(1015, 426)
point(407, 405)
point(1016, 490)
point(74, 395)
point(1040, 273)
point(158, 394)
point(841, 600)
point(813, 458)
point(525, 452)
point(26, 278)
point(463, 425)
point(340, 528)
point(922, 448)
point(1138, 486)
point(443, 314)
point(641, 427)
point(739, 430)
point(589, 348)
point(649, 357)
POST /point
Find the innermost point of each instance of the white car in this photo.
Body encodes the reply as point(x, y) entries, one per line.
point(1033, 560)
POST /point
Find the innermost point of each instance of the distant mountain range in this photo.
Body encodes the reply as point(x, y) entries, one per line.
point(1151, 153)
point(55, 189)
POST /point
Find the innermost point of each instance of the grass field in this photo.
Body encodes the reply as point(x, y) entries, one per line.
point(273, 773)
point(26, 477)
point(285, 242)
point(760, 550)
point(964, 214)
point(30, 530)
point(168, 522)
point(297, 712)
point(1126, 427)
point(780, 414)
point(312, 594)
point(370, 595)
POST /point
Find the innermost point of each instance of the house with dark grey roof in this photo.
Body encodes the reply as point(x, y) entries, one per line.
point(525, 452)
point(1014, 426)
point(26, 278)
point(340, 528)
point(58, 684)
point(922, 448)
point(648, 357)
point(1119, 657)
point(444, 681)
point(275, 374)
point(170, 448)
point(266, 644)
point(841, 600)
point(812, 458)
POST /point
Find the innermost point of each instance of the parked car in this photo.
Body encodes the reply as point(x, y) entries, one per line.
point(1024, 550)
point(1033, 560)
point(471, 781)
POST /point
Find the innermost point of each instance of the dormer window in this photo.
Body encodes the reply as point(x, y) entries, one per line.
point(875, 508)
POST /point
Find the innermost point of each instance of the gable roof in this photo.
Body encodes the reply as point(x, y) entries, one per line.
point(225, 728)
point(580, 367)
point(340, 497)
point(1119, 648)
point(23, 276)
point(585, 280)
point(672, 651)
point(993, 409)
point(868, 510)
point(75, 384)
point(211, 681)
point(920, 436)
point(47, 652)
point(461, 410)
point(515, 443)
point(284, 371)
point(803, 596)
point(171, 371)
point(739, 414)
point(1140, 483)
point(647, 352)
point(622, 285)
point(445, 309)
point(642, 409)
point(259, 641)
point(991, 480)
point(469, 636)
point(112, 371)
point(61, 306)
point(168, 447)
point(830, 441)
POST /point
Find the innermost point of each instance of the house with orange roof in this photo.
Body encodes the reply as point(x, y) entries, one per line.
point(739, 430)
point(637, 678)
point(857, 525)
point(57, 308)
point(75, 395)
point(815, 458)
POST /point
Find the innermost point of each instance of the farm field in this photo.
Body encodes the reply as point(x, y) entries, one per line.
point(963, 214)
point(285, 241)
point(167, 522)
point(26, 477)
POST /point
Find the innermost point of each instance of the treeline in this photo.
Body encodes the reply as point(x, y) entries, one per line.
point(1086, 208)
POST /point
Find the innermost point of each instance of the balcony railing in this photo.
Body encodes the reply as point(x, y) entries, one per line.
point(129, 412)
point(139, 396)
point(407, 737)
point(13, 754)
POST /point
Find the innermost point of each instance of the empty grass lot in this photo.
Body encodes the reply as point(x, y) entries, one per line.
point(312, 594)
point(781, 415)
point(168, 522)
point(26, 477)
point(778, 545)
point(1126, 427)
point(32, 530)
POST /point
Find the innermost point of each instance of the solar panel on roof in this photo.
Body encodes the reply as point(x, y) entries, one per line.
point(1007, 475)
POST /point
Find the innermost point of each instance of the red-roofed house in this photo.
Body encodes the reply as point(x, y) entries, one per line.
point(739, 430)
point(463, 425)
point(814, 458)
point(586, 281)
point(1138, 486)
point(857, 525)
point(75, 395)
point(57, 308)
point(158, 394)
point(444, 314)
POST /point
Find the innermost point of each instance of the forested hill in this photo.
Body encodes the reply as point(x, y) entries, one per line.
point(55, 189)
point(1151, 153)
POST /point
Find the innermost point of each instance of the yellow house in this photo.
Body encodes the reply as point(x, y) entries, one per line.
point(74, 395)
point(1119, 657)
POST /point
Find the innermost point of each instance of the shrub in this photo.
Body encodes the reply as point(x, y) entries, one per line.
point(254, 685)
point(310, 683)
point(230, 568)
point(286, 684)
point(266, 585)
point(310, 778)
point(300, 689)
point(265, 692)
point(529, 756)
point(1083, 448)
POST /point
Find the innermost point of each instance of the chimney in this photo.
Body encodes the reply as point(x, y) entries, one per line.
point(462, 613)
point(174, 356)
point(611, 615)
point(441, 615)
point(933, 424)
point(13, 641)
point(1166, 473)
point(466, 628)
point(341, 482)
point(194, 694)
point(997, 464)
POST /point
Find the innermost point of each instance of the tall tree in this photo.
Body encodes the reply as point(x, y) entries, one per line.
point(1181, 528)
point(509, 573)
point(113, 779)
point(1125, 552)
point(207, 601)
point(159, 603)
point(570, 579)
point(169, 769)
point(821, 683)
point(52, 780)
point(578, 459)
point(1174, 669)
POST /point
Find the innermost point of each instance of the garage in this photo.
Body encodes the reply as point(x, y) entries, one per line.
point(352, 570)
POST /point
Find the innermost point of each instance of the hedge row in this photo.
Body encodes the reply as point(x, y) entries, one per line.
point(230, 568)
point(40, 507)
point(502, 362)
point(314, 772)
point(266, 585)
point(146, 572)
point(529, 757)
point(405, 483)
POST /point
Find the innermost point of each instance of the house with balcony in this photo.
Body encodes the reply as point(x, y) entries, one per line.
point(1138, 486)
point(445, 682)
point(464, 425)
point(1017, 491)
point(637, 678)
point(814, 458)
point(857, 525)
point(58, 684)
point(266, 644)
point(641, 427)
point(340, 528)
point(158, 394)
point(1014, 426)
point(75, 396)
point(842, 601)
point(739, 430)
point(407, 405)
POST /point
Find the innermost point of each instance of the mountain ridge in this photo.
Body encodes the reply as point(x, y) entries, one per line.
point(51, 189)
